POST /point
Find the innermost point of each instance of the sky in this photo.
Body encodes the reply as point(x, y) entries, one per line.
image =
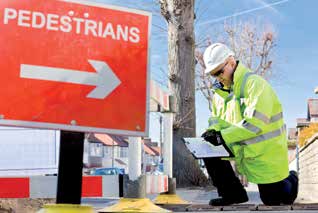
point(295, 53)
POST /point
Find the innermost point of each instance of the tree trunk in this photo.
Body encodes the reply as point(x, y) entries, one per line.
point(180, 17)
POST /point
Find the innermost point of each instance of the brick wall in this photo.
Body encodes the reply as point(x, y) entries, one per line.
point(308, 171)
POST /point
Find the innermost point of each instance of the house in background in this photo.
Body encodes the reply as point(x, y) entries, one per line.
point(151, 156)
point(106, 150)
point(312, 114)
point(312, 117)
point(301, 123)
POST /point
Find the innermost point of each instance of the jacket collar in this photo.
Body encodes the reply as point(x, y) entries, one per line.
point(239, 73)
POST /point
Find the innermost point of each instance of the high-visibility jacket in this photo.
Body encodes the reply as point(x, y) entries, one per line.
point(250, 120)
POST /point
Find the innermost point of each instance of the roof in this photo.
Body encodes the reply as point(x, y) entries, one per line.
point(150, 147)
point(148, 150)
point(120, 162)
point(116, 140)
point(302, 122)
point(108, 139)
point(156, 150)
point(312, 108)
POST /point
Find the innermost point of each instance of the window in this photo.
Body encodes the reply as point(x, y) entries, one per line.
point(96, 149)
point(108, 151)
point(123, 152)
point(314, 119)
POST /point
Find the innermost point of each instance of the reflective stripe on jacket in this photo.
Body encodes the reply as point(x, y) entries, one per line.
point(251, 122)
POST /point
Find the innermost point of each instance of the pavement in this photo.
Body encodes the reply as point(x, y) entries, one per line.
point(203, 196)
point(197, 196)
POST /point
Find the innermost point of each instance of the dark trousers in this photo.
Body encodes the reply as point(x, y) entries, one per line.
point(282, 192)
point(229, 186)
point(223, 178)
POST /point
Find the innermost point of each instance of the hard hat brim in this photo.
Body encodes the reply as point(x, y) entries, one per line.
point(210, 69)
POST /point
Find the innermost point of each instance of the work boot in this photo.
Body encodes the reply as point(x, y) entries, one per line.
point(229, 201)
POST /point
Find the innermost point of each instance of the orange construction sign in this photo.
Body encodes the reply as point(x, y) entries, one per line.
point(74, 65)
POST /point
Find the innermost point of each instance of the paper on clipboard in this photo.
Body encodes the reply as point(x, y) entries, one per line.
point(203, 149)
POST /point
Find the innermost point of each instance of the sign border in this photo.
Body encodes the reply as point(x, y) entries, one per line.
point(54, 126)
point(108, 6)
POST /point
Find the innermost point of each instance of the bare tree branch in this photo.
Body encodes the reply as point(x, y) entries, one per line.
point(252, 46)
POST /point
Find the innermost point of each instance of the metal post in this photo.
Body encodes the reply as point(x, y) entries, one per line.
point(167, 147)
point(143, 160)
point(113, 152)
point(134, 158)
point(169, 197)
point(297, 158)
point(135, 185)
point(297, 151)
point(160, 138)
point(69, 181)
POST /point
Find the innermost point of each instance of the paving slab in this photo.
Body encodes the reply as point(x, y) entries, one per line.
point(306, 208)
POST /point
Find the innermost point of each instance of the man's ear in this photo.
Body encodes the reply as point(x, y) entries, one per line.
point(232, 62)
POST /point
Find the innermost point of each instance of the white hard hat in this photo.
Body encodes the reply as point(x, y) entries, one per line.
point(215, 55)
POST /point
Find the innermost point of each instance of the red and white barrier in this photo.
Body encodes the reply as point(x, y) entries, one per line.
point(156, 184)
point(159, 96)
point(92, 186)
point(45, 186)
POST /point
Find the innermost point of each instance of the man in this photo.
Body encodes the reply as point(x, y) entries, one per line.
point(247, 118)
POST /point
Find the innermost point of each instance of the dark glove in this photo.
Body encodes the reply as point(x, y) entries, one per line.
point(213, 137)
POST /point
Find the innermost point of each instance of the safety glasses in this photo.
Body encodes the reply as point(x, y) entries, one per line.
point(220, 71)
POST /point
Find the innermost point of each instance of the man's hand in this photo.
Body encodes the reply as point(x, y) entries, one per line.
point(214, 137)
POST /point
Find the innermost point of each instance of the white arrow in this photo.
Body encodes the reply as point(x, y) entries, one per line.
point(104, 79)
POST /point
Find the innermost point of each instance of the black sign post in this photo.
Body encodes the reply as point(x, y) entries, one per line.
point(69, 181)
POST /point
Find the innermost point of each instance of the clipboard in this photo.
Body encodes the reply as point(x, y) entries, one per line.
point(200, 148)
